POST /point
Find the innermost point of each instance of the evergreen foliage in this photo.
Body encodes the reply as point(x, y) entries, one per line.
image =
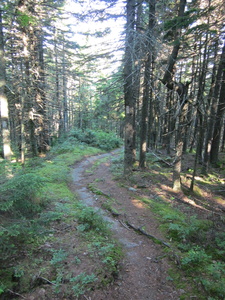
point(100, 139)
point(20, 195)
point(91, 220)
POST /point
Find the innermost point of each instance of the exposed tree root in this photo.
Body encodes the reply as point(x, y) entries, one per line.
point(152, 237)
point(16, 294)
point(174, 256)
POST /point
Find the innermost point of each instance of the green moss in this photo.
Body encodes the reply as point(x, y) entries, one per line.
point(92, 187)
point(109, 206)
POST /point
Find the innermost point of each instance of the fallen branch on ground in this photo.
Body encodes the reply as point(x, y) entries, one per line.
point(203, 206)
point(155, 239)
point(16, 294)
point(161, 159)
point(174, 256)
point(45, 279)
point(124, 225)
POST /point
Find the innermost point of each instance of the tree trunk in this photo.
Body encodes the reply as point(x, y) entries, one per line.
point(151, 112)
point(129, 131)
point(65, 105)
point(144, 113)
point(4, 112)
point(57, 92)
point(179, 143)
point(181, 90)
point(43, 132)
point(147, 82)
point(219, 115)
point(168, 75)
point(214, 94)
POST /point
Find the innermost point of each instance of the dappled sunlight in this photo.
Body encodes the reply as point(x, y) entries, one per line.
point(219, 200)
point(155, 184)
point(166, 187)
point(137, 203)
point(200, 199)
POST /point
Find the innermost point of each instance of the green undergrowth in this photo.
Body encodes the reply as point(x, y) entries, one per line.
point(200, 246)
point(35, 204)
point(100, 139)
point(91, 258)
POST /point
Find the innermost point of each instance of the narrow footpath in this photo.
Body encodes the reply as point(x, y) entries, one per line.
point(144, 269)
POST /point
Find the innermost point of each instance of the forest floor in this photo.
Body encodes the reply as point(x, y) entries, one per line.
point(144, 272)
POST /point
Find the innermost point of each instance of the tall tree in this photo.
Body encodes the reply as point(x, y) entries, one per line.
point(181, 89)
point(4, 112)
point(220, 113)
point(147, 83)
point(129, 131)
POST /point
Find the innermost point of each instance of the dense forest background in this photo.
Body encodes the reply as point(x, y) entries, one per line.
point(149, 75)
point(167, 88)
point(50, 83)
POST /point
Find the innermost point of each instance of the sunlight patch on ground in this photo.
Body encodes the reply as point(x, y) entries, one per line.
point(165, 187)
point(219, 200)
point(137, 203)
point(106, 164)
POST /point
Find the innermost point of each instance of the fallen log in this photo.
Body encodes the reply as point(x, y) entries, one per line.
point(160, 159)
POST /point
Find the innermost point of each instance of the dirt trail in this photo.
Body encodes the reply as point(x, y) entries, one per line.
point(143, 273)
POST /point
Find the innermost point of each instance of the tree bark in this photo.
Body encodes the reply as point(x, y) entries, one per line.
point(147, 82)
point(129, 130)
point(40, 99)
point(181, 90)
point(169, 73)
point(214, 95)
point(65, 104)
point(4, 112)
point(219, 115)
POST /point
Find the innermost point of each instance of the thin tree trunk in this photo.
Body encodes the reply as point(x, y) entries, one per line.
point(146, 92)
point(43, 136)
point(22, 132)
point(57, 93)
point(144, 114)
point(4, 112)
point(179, 145)
point(151, 125)
point(181, 90)
point(65, 105)
point(215, 89)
